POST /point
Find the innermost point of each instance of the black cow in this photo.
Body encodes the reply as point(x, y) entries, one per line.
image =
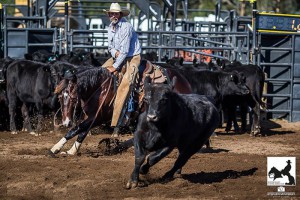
point(3, 109)
point(30, 82)
point(254, 79)
point(216, 84)
point(183, 121)
point(4, 62)
point(41, 56)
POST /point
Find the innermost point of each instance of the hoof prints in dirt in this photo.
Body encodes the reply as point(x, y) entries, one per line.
point(105, 147)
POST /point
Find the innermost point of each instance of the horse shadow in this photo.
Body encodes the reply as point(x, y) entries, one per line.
point(214, 177)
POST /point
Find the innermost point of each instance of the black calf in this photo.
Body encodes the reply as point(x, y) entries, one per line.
point(184, 121)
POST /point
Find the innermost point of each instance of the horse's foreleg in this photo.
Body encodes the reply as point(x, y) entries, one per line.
point(84, 128)
point(70, 134)
point(58, 146)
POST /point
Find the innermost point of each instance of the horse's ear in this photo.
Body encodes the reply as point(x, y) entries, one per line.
point(181, 60)
point(174, 80)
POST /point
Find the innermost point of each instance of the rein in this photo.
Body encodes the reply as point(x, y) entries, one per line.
point(102, 102)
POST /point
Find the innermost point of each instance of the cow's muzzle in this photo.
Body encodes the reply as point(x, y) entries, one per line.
point(152, 117)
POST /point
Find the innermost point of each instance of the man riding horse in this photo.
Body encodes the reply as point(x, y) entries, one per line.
point(124, 46)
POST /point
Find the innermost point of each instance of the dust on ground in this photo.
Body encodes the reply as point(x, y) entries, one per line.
point(235, 168)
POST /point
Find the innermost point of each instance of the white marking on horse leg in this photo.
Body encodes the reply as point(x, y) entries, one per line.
point(34, 133)
point(74, 149)
point(66, 122)
point(58, 146)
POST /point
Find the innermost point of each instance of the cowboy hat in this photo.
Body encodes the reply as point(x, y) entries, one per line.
point(115, 7)
point(288, 161)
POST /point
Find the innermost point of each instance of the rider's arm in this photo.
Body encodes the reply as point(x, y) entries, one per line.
point(126, 35)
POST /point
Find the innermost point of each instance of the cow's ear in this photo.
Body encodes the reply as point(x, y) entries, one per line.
point(28, 56)
point(174, 79)
point(181, 61)
point(195, 61)
point(218, 61)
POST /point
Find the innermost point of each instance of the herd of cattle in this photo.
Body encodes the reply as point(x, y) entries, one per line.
point(33, 80)
point(170, 119)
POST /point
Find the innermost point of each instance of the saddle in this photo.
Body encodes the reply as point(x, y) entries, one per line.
point(155, 72)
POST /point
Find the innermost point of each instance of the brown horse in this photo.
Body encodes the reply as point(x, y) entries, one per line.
point(95, 90)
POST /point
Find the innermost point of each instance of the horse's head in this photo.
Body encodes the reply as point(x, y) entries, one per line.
point(67, 97)
point(69, 101)
point(274, 173)
point(87, 91)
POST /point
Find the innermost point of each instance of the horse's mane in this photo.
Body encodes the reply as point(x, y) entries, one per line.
point(92, 77)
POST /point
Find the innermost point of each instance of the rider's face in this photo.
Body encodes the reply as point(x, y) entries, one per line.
point(114, 14)
point(114, 17)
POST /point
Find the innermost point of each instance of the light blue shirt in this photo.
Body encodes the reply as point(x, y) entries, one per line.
point(125, 40)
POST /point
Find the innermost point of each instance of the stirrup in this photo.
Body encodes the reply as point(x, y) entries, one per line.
point(116, 132)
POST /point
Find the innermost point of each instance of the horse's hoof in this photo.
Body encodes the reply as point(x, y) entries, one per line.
point(66, 153)
point(131, 185)
point(50, 153)
point(14, 132)
point(34, 133)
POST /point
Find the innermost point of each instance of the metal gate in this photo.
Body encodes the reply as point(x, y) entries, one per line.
point(278, 48)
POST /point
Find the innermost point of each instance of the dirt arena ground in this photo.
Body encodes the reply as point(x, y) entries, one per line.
point(235, 168)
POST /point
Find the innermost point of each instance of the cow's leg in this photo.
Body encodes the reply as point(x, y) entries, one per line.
point(39, 107)
point(12, 100)
point(255, 129)
point(231, 118)
point(234, 120)
point(244, 111)
point(26, 118)
point(140, 155)
point(179, 163)
point(154, 158)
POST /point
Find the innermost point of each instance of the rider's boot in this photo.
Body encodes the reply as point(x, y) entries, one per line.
point(115, 134)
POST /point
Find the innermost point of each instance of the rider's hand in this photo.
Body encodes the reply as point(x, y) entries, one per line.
point(112, 70)
point(117, 54)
